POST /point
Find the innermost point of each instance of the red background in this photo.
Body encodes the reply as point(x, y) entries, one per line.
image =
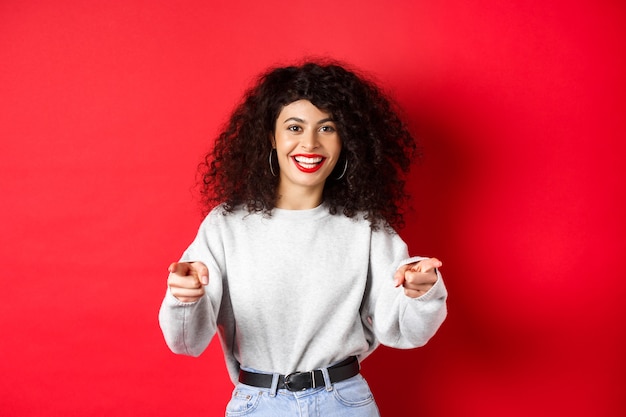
point(107, 107)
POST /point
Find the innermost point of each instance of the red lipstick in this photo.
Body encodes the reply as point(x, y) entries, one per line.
point(308, 163)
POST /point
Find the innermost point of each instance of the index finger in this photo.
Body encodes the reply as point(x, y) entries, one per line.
point(178, 268)
point(427, 265)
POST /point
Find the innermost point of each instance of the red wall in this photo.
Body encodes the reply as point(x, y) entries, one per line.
point(106, 108)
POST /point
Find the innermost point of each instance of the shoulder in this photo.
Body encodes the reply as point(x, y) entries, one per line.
point(222, 214)
point(222, 210)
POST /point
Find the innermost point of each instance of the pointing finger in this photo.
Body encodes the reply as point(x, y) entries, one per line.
point(427, 265)
point(178, 268)
point(196, 269)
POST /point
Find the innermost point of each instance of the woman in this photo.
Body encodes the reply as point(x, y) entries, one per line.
point(297, 265)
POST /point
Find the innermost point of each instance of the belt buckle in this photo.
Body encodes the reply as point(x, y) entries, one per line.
point(298, 381)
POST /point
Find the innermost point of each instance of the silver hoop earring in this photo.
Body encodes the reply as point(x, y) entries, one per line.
point(345, 168)
point(270, 160)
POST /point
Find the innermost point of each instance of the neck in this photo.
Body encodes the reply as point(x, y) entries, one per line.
point(299, 199)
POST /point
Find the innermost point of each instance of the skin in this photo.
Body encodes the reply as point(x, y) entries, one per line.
point(304, 133)
point(308, 148)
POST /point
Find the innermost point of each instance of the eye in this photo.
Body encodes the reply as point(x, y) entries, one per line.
point(327, 129)
point(294, 128)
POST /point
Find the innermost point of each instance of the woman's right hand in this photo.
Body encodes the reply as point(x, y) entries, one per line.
point(187, 280)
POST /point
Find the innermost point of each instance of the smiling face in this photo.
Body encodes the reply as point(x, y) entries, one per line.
point(308, 147)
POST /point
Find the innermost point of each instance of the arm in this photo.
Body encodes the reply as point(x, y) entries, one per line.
point(425, 295)
point(407, 302)
point(186, 317)
point(189, 311)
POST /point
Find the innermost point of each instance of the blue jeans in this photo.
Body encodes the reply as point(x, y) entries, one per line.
point(349, 398)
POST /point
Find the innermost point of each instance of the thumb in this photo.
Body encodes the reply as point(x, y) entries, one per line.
point(201, 271)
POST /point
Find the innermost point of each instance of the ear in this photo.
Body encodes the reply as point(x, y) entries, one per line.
point(273, 140)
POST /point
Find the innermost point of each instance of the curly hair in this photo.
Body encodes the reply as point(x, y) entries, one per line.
point(375, 141)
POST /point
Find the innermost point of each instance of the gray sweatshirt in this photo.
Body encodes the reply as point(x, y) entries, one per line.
point(297, 291)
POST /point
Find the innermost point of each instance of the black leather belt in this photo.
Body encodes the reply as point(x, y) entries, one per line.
point(299, 381)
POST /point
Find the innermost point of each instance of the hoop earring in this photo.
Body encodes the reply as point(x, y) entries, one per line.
point(345, 168)
point(270, 160)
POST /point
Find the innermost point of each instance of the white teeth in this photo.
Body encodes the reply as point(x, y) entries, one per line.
point(305, 160)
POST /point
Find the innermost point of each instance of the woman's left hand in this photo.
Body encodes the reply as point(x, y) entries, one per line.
point(419, 277)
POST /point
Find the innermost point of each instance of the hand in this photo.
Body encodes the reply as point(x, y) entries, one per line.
point(419, 277)
point(187, 280)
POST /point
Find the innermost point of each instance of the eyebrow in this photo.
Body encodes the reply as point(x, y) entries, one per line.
point(299, 120)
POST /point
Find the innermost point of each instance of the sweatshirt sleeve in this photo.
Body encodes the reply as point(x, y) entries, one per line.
point(398, 320)
point(189, 327)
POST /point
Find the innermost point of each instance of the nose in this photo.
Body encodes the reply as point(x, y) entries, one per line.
point(309, 141)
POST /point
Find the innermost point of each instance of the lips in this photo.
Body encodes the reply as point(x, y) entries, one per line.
point(308, 163)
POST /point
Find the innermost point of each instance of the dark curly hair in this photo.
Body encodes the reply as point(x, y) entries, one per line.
point(376, 143)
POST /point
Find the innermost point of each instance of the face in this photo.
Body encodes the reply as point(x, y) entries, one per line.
point(308, 147)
